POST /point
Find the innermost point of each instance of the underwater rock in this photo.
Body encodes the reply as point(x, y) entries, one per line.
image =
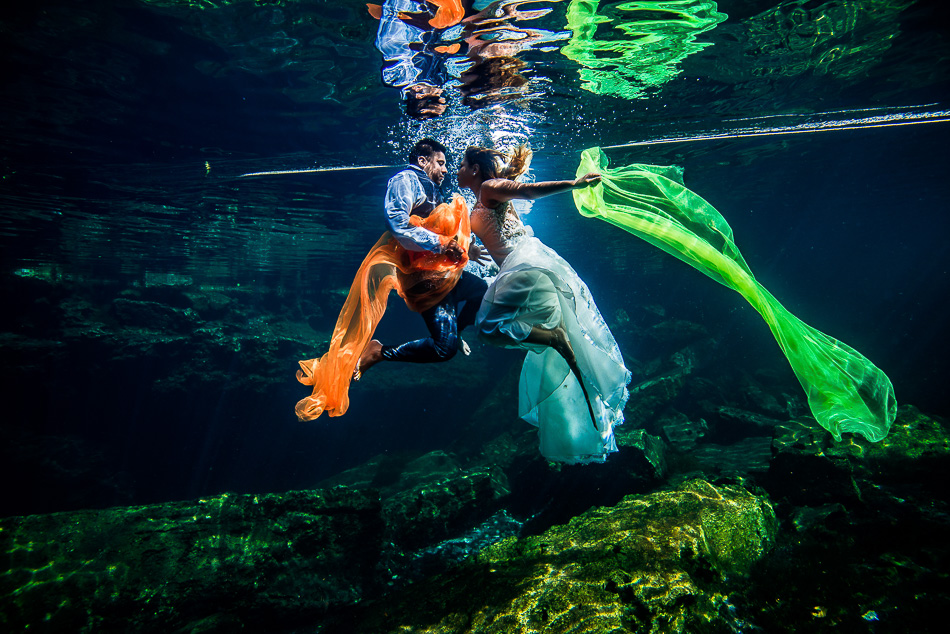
point(436, 510)
point(808, 518)
point(48, 461)
point(450, 552)
point(153, 315)
point(434, 465)
point(749, 456)
point(661, 562)
point(675, 332)
point(765, 393)
point(810, 468)
point(641, 453)
point(269, 558)
point(915, 455)
point(734, 423)
point(394, 472)
point(429, 498)
point(210, 304)
point(494, 417)
point(681, 432)
point(648, 398)
point(807, 468)
point(877, 563)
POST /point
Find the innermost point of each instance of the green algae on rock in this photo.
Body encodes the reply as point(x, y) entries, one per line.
point(255, 558)
point(864, 531)
point(661, 562)
point(809, 468)
point(428, 498)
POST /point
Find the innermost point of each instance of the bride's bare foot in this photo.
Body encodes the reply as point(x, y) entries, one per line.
point(372, 354)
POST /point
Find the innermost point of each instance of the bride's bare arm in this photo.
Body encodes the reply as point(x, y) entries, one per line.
point(499, 190)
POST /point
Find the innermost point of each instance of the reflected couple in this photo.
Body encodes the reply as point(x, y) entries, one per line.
point(428, 45)
point(573, 380)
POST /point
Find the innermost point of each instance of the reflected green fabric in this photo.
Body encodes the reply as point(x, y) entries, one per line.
point(843, 38)
point(846, 392)
point(626, 48)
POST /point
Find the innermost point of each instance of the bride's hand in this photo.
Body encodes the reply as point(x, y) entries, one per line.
point(587, 180)
point(478, 255)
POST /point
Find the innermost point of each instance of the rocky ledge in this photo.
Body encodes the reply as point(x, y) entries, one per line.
point(220, 562)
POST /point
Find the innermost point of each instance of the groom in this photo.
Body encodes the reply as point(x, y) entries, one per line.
point(415, 191)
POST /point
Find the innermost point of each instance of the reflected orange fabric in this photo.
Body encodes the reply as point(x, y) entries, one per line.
point(448, 13)
point(421, 278)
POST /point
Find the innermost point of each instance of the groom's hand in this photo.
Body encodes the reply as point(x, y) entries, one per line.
point(453, 251)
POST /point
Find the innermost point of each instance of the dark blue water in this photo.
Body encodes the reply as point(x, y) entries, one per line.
point(127, 127)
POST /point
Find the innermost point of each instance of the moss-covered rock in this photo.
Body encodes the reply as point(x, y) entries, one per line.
point(810, 468)
point(915, 452)
point(429, 498)
point(436, 510)
point(650, 396)
point(653, 563)
point(154, 315)
point(865, 525)
point(644, 454)
point(268, 558)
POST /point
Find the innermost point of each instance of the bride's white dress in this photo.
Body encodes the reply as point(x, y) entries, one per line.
point(537, 287)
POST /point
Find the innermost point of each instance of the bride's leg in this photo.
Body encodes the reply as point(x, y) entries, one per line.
point(557, 338)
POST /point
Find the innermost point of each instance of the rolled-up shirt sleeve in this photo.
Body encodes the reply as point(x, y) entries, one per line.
point(403, 194)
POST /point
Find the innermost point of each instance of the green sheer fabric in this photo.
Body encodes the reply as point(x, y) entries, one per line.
point(846, 392)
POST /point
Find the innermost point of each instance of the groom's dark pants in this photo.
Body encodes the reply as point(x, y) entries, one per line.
point(445, 321)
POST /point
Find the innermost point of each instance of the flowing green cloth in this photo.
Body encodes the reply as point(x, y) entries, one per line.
point(846, 392)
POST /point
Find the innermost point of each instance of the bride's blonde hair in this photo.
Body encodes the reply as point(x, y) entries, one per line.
point(518, 162)
point(495, 164)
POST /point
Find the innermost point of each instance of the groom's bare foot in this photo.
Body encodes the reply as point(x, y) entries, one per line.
point(372, 354)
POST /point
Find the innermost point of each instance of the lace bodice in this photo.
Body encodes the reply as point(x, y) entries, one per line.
point(500, 230)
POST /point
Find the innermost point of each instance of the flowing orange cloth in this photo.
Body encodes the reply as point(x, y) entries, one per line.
point(422, 279)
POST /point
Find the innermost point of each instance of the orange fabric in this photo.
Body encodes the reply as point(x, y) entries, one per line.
point(448, 13)
point(421, 278)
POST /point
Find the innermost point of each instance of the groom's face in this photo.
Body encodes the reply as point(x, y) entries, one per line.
point(434, 166)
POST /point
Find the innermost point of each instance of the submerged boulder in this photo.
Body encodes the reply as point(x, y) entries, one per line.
point(438, 509)
point(810, 468)
point(267, 558)
point(428, 498)
point(661, 562)
point(864, 531)
point(643, 455)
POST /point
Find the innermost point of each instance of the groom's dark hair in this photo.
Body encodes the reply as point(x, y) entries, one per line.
point(425, 147)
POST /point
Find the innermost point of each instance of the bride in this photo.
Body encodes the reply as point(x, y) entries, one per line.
point(573, 382)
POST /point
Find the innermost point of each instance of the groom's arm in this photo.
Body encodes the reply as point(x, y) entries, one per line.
point(403, 194)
